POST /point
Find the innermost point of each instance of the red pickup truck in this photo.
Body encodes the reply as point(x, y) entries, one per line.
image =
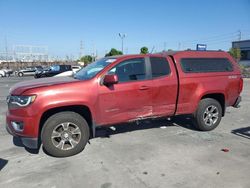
point(63, 113)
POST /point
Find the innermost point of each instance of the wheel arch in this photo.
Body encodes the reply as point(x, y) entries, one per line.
point(82, 110)
point(220, 97)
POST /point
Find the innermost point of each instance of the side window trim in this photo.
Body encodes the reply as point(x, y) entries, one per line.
point(148, 68)
point(151, 73)
point(147, 71)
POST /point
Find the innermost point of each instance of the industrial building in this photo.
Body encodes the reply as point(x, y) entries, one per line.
point(244, 46)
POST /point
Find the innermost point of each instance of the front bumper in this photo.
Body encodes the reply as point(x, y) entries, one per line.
point(29, 134)
point(31, 143)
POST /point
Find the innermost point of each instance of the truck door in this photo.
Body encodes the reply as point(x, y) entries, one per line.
point(131, 97)
point(164, 86)
point(29, 71)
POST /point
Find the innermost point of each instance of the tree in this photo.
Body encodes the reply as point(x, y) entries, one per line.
point(86, 59)
point(113, 52)
point(144, 50)
point(236, 53)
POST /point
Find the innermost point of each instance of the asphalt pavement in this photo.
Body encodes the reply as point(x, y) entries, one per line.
point(160, 153)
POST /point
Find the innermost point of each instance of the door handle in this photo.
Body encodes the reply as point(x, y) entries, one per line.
point(143, 88)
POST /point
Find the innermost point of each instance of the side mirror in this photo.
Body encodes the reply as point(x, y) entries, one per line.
point(110, 79)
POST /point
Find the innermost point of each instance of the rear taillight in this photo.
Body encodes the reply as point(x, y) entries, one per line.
point(241, 85)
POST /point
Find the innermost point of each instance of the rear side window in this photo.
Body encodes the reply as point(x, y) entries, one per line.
point(159, 66)
point(65, 67)
point(199, 65)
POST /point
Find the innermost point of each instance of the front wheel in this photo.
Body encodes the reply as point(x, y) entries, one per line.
point(65, 134)
point(208, 114)
point(20, 74)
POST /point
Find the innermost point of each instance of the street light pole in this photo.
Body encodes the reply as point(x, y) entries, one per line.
point(122, 36)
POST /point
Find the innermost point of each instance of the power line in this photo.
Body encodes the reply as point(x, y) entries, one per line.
point(215, 41)
point(164, 46)
point(6, 48)
point(122, 36)
point(232, 37)
point(219, 42)
point(239, 35)
point(213, 37)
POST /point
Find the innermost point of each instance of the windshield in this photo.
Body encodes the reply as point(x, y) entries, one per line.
point(93, 69)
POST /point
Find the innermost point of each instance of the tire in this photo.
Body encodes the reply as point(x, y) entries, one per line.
point(208, 114)
point(60, 144)
point(1, 75)
point(42, 76)
point(20, 74)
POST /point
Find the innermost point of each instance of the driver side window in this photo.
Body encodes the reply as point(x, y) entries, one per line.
point(130, 70)
point(55, 68)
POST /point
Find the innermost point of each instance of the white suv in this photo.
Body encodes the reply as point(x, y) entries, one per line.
point(2, 73)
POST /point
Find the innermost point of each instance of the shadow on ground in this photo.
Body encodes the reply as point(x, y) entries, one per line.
point(243, 132)
point(106, 132)
point(182, 121)
point(17, 142)
point(3, 163)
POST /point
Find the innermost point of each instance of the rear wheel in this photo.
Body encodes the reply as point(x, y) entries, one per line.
point(65, 134)
point(208, 114)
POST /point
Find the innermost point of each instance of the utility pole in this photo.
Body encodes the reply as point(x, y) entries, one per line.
point(164, 46)
point(153, 48)
point(179, 46)
point(122, 36)
point(94, 51)
point(6, 51)
point(96, 54)
point(239, 35)
point(81, 49)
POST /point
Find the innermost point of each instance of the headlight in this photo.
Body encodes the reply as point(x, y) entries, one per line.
point(20, 101)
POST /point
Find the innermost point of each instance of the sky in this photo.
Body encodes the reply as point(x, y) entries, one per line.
point(158, 24)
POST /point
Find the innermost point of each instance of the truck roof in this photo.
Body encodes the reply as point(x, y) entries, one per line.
point(187, 52)
point(217, 53)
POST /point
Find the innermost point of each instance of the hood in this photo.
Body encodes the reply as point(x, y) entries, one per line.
point(21, 87)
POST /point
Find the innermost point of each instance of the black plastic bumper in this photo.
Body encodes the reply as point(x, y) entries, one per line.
point(31, 143)
point(237, 102)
